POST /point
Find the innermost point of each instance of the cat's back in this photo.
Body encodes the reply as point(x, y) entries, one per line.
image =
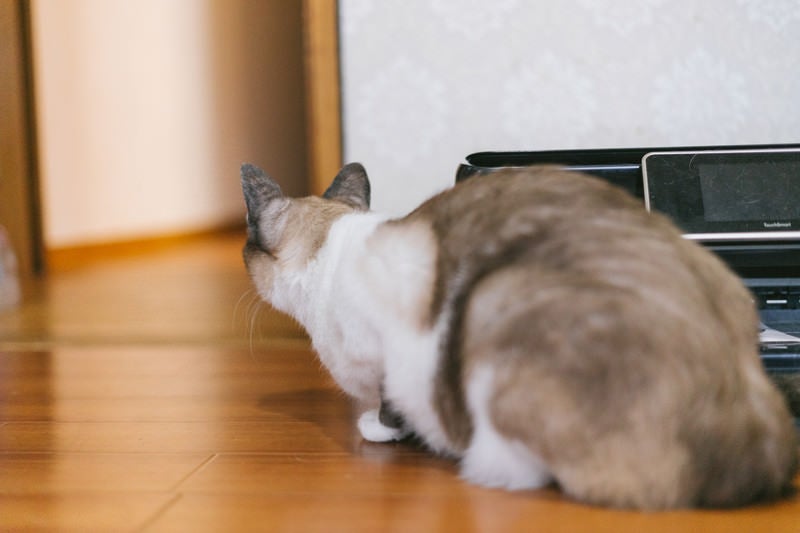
point(536, 206)
point(511, 198)
point(555, 219)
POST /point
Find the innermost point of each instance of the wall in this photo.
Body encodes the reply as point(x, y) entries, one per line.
point(148, 107)
point(426, 82)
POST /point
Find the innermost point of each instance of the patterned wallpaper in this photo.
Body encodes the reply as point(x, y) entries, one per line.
point(426, 82)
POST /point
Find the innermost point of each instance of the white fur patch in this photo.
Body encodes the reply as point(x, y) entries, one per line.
point(398, 273)
point(365, 301)
point(346, 338)
point(412, 360)
point(371, 428)
point(491, 459)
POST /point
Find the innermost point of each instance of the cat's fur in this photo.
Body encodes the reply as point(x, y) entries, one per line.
point(539, 325)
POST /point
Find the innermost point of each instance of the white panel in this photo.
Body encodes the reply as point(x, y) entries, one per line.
point(426, 82)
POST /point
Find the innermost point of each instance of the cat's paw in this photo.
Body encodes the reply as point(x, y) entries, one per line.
point(371, 429)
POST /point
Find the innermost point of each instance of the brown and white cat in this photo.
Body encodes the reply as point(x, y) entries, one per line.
point(539, 325)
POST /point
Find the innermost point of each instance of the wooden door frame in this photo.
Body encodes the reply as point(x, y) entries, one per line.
point(20, 211)
point(20, 203)
point(323, 92)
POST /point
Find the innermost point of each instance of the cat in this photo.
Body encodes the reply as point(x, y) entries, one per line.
point(537, 325)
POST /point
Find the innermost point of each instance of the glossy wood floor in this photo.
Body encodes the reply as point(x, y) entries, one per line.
point(145, 393)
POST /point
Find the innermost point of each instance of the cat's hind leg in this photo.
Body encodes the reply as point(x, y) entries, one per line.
point(491, 459)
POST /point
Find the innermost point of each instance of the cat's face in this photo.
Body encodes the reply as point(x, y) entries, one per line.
point(284, 234)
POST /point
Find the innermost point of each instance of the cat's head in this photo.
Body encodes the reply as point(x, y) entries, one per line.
point(284, 234)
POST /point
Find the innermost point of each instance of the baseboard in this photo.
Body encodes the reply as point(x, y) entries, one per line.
point(71, 257)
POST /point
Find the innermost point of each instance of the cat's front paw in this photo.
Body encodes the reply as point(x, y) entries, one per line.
point(373, 430)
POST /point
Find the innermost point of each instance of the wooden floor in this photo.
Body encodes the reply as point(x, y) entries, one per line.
point(151, 393)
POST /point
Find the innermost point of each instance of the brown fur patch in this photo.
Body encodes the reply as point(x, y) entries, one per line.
point(481, 225)
point(789, 385)
point(623, 353)
point(300, 229)
point(297, 231)
point(307, 225)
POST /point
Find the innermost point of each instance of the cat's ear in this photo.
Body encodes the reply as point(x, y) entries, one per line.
point(259, 190)
point(351, 186)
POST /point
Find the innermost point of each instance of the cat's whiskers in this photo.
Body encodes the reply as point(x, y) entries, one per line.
point(248, 293)
point(254, 311)
point(251, 312)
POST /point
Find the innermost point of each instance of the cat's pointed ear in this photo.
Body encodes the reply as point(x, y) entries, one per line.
point(351, 186)
point(259, 189)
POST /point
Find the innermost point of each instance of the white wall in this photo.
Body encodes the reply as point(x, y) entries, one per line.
point(426, 82)
point(147, 108)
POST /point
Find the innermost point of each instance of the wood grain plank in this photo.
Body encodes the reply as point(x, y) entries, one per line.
point(462, 510)
point(196, 293)
point(164, 433)
point(80, 512)
point(32, 473)
point(276, 436)
point(380, 469)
